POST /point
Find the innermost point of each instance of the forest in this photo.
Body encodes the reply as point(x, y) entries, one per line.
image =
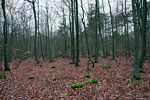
point(74, 50)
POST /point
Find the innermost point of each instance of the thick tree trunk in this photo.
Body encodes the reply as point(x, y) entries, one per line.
point(143, 35)
point(5, 37)
point(136, 41)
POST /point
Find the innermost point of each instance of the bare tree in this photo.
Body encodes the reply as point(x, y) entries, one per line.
point(35, 38)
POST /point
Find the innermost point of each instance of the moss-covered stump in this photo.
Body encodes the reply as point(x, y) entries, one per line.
point(92, 81)
point(105, 66)
point(3, 76)
point(87, 74)
point(77, 85)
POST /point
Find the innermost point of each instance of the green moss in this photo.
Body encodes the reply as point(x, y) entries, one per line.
point(27, 52)
point(87, 74)
point(42, 89)
point(3, 76)
point(77, 85)
point(40, 65)
point(53, 66)
point(48, 80)
point(136, 79)
point(31, 78)
point(105, 66)
point(92, 81)
point(141, 71)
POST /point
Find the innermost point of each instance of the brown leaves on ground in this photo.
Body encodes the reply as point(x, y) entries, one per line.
point(55, 83)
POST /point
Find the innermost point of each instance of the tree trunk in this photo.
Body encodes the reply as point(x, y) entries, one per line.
point(96, 33)
point(5, 37)
point(77, 35)
point(112, 27)
point(136, 41)
point(72, 35)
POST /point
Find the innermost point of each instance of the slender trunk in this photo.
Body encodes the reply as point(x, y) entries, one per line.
point(77, 35)
point(96, 33)
point(99, 25)
point(86, 38)
point(112, 27)
point(72, 33)
point(35, 37)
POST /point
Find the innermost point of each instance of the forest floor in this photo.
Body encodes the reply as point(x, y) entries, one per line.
point(42, 82)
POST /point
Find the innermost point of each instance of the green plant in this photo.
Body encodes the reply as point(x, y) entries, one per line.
point(105, 66)
point(48, 80)
point(92, 81)
point(87, 74)
point(77, 85)
point(42, 89)
point(31, 78)
point(53, 66)
point(136, 79)
point(3, 76)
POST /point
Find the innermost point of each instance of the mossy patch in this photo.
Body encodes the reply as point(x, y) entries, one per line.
point(31, 78)
point(49, 80)
point(105, 66)
point(53, 66)
point(40, 65)
point(141, 71)
point(87, 74)
point(42, 89)
point(3, 76)
point(92, 81)
point(136, 79)
point(77, 85)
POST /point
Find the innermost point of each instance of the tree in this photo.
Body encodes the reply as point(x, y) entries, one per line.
point(142, 10)
point(85, 32)
point(5, 36)
point(136, 41)
point(77, 35)
point(72, 33)
point(35, 37)
point(96, 33)
point(100, 32)
point(112, 28)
